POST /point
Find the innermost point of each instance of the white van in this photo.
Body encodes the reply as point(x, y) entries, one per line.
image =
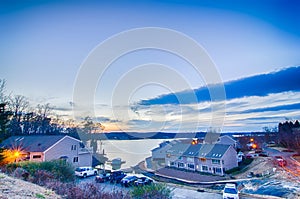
point(85, 171)
point(230, 191)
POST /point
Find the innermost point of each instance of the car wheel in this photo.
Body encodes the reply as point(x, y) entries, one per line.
point(84, 175)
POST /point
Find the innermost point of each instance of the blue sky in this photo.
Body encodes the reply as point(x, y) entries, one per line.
point(44, 43)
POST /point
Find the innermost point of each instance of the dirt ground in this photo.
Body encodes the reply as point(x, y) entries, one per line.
point(265, 166)
point(12, 188)
point(260, 165)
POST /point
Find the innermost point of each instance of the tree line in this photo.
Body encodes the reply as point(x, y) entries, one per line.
point(19, 117)
point(289, 134)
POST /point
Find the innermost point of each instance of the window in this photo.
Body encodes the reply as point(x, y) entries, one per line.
point(180, 164)
point(73, 147)
point(214, 161)
point(36, 156)
point(172, 164)
point(218, 170)
point(191, 166)
point(75, 159)
point(204, 168)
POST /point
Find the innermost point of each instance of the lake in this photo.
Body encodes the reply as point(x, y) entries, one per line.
point(131, 151)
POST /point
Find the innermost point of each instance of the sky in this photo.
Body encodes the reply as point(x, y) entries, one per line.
point(252, 47)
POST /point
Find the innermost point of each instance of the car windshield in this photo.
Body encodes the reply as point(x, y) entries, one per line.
point(230, 190)
point(130, 177)
point(79, 169)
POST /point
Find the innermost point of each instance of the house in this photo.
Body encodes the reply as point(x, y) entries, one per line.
point(208, 158)
point(228, 140)
point(159, 153)
point(39, 148)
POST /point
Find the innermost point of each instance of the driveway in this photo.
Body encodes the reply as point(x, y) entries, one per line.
point(292, 165)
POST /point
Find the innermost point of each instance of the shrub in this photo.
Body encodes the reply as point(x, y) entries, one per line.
point(41, 177)
point(60, 169)
point(247, 161)
point(235, 169)
point(20, 173)
point(85, 191)
point(43, 170)
point(154, 191)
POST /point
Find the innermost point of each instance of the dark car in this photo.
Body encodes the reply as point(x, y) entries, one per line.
point(263, 154)
point(128, 181)
point(116, 176)
point(103, 177)
point(143, 181)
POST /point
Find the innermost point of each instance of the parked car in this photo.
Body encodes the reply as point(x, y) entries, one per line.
point(116, 176)
point(250, 175)
point(230, 191)
point(271, 144)
point(102, 177)
point(128, 181)
point(143, 181)
point(85, 171)
point(263, 154)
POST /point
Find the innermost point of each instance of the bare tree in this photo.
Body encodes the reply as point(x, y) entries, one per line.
point(44, 110)
point(17, 104)
point(2, 91)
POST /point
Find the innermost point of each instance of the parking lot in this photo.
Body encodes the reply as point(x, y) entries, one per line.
point(177, 192)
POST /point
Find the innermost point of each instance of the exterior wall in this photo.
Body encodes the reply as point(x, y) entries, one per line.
point(84, 160)
point(36, 156)
point(230, 159)
point(69, 148)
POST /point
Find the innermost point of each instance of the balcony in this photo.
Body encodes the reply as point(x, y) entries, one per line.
point(85, 150)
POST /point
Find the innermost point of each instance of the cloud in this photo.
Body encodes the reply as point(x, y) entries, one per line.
point(275, 108)
point(258, 85)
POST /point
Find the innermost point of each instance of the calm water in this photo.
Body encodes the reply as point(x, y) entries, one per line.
point(131, 151)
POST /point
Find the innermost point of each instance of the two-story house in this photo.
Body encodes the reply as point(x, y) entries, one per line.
point(39, 148)
point(208, 158)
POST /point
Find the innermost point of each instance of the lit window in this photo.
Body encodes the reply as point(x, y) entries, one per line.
point(36, 156)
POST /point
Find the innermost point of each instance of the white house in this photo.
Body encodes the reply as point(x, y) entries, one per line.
point(39, 148)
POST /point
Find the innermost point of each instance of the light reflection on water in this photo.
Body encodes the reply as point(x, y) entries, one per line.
point(131, 151)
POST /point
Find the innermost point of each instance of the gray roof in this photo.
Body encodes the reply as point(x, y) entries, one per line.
point(32, 143)
point(179, 148)
point(218, 151)
point(215, 151)
point(205, 149)
point(162, 145)
point(192, 150)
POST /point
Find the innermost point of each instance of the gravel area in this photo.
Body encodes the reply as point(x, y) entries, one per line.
point(11, 188)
